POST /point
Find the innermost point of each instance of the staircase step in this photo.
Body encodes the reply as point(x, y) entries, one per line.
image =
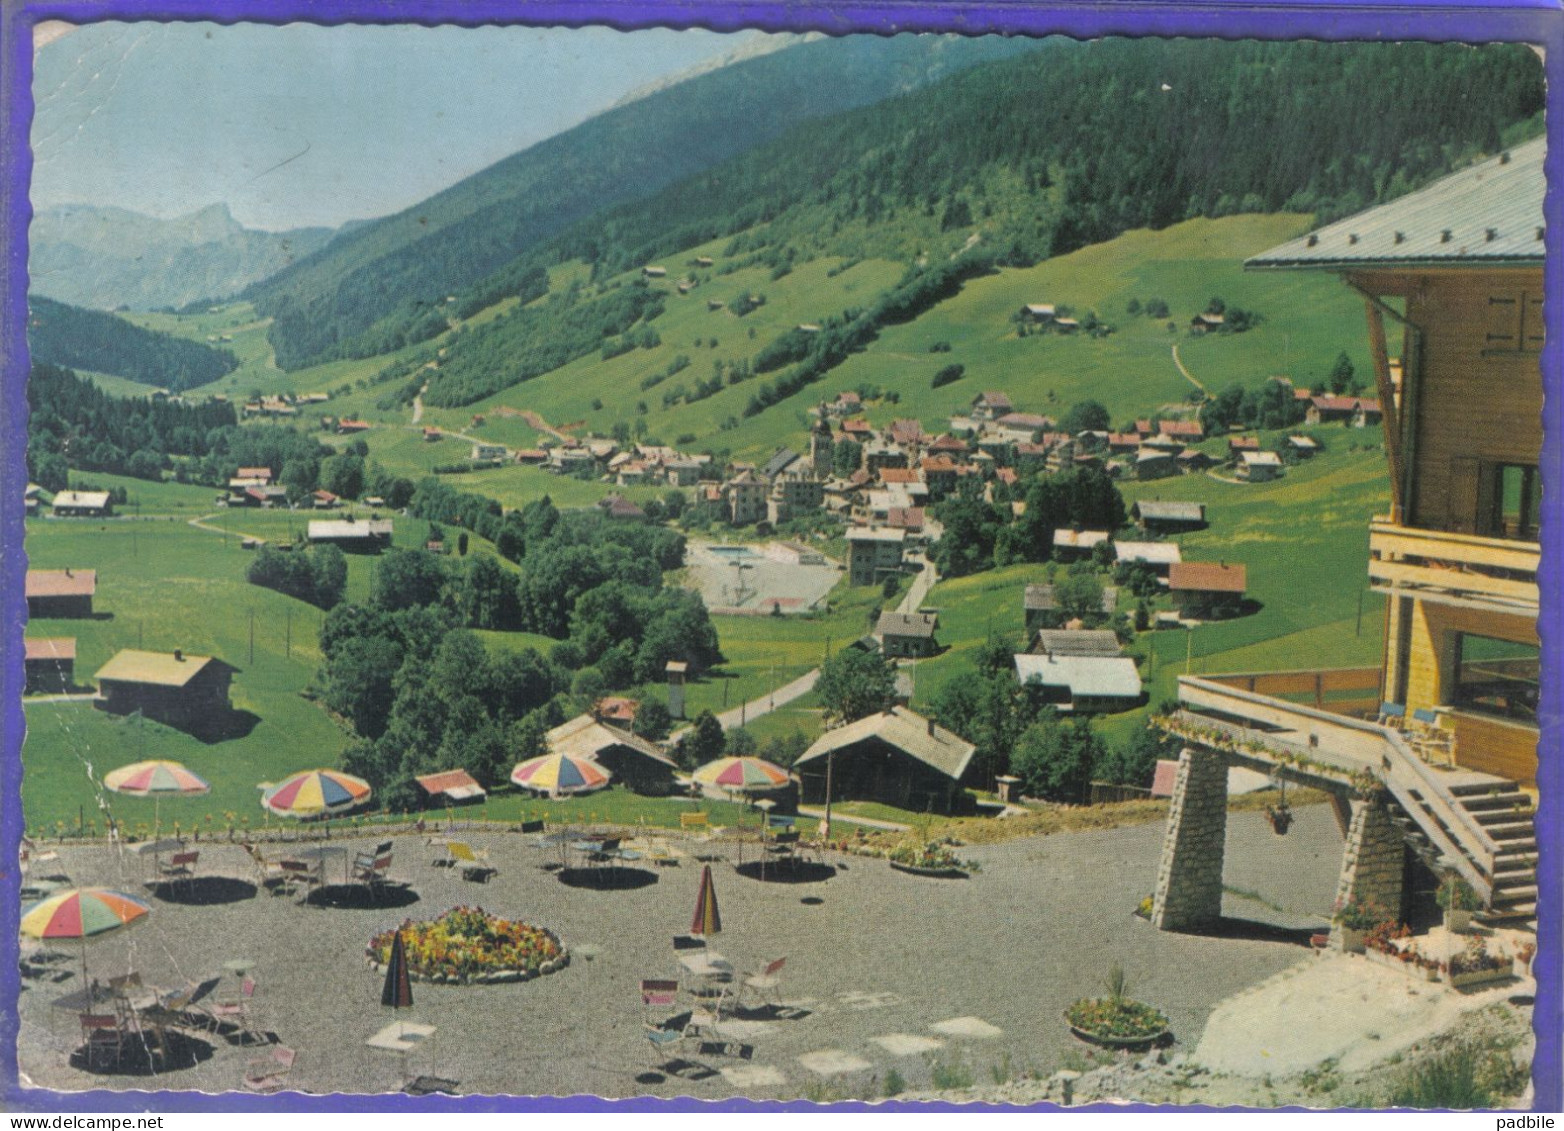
point(1515, 831)
point(1479, 788)
point(1507, 893)
point(1508, 913)
point(1482, 803)
point(1510, 865)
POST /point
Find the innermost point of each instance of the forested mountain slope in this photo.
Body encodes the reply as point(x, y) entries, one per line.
point(59, 334)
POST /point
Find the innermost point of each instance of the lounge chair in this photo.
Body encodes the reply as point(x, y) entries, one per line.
point(766, 980)
point(298, 875)
point(238, 1012)
point(268, 873)
point(659, 993)
point(270, 1073)
point(102, 1039)
point(179, 868)
point(474, 863)
point(373, 869)
point(1433, 743)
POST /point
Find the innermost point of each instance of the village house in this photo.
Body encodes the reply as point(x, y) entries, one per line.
point(990, 406)
point(880, 454)
point(1025, 422)
point(907, 634)
point(910, 519)
point(654, 272)
point(1303, 446)
point(1203, 590)
point(1076, 642)
point(894, 757)
point(632, 760)
point(846, 403)
point(1184, 431)
point(1073, 545)
point(49, 665)
point(1039, 313)
point(616, 710)
point(1151, 463)
point(1205, 322)
point(948, 445)
point(873, 554)
point(1040, 607)
point(253, 476)
point(780, 461)
point(857, 428)
point(794, 494)
point(82, 504)
point(907, 433)
point(1239, 444)
point(351, 427)
point(483, 452)
point(1192, 460)
point(620, 509)
point(188, 693)
point(1080, 685)
point(1157, 517)
point(433, 435)
point(533, 456)
point(352, 535)
point(631, 472)
point(1158, 557)
point(682, 472)
point(746, 495)
point(1456, 271)
point(60, 593)
point(1258, 467)
point(324, 500)
point(1123, 443)
point(32, 499)
point(450, 787)
point(939, 475)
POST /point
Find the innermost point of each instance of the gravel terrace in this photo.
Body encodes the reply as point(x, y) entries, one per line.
point(886, 970)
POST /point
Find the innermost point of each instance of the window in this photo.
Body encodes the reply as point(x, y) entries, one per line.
point(1512, 501)
point(1497, 677)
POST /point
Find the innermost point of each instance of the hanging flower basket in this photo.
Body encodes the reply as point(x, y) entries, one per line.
point(1280, 817)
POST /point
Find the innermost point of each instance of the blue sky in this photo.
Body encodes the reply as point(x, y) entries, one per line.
point(303, 125)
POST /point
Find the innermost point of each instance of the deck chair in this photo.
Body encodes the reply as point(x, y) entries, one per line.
point(102, 1039)
point(658, 852)
point(186, 1008)
point(766, 980)
point(373, 869)
point(268, 873)
point(179, 868)
point(1433, 743)
point(658, 993)
point(269, 1073)
point(238, 1012)
point(299, 876)
point(474, 863)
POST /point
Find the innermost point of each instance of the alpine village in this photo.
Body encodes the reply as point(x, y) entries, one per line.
point(1073, 601)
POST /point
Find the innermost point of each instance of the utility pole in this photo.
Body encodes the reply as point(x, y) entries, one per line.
point(287, 647)
point(252, 636)
point(1359, 631)
point(1189, 648)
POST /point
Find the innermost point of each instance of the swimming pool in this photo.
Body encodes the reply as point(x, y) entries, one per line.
point(733, 552)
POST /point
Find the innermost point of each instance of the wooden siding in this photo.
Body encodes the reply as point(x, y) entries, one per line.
point(1491, 745)
point(1478, 397)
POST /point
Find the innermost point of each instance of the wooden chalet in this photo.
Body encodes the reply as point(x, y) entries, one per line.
point(632, 760)
point(895, 757)
point(60, 592)
point(1455, 271)
point(907, 634)
point(1207, 589)
point(450, 787)
point(186, 692)
point(49, 665)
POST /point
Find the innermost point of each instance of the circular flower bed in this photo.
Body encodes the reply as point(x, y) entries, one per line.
point(931, 859)
point(467, 944)
point(1116, 1022)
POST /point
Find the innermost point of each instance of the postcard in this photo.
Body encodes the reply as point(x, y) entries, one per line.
point(981, 558)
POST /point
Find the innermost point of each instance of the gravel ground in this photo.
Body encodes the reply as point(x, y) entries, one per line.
point(871, 954)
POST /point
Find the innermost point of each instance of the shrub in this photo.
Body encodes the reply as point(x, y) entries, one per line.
point(949, 375)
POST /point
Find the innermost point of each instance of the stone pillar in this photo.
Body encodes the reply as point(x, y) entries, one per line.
point(1373, 864)
point(1189, 880)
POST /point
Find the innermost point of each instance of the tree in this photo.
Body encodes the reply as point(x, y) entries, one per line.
point(846, 457)
point(1079, 595)
point(855, 683)
point(1341, 374)
point(741, 743)
point(359, 682)
point(652, 720)
point(705, 741)
point(1057, 760)
point(461, 544)
point(406, 578)
point(1085, 416)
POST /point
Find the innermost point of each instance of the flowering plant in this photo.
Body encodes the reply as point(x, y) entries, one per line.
point(1117, 1017)
point(466, 941)
point(1358, 915)
point(1475, 958)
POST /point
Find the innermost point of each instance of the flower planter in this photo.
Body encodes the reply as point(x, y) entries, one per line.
point(1482, 977)
point(947, 873)
point(1111, 1041)
point(1457, 922)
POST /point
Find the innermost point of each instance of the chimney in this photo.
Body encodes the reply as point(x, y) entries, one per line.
point(179, 655)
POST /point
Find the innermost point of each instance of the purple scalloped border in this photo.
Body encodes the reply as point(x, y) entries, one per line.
point(1539, 22)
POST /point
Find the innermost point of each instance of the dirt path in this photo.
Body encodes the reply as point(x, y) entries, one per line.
point(537, 423)
point(1188, 376)
point(418, 405)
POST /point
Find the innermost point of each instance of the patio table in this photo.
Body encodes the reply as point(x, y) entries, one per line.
point(401, 1037)
point(320, 854)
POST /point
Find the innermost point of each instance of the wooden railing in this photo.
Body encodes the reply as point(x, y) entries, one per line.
point(1495, 572)
point(1355, 692)
point(1302, 735)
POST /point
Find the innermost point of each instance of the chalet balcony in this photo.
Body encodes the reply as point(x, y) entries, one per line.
point(1491, 574)
point(1317, 728)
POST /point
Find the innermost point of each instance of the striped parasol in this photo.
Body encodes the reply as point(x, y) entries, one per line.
point(560, 774)
point(82, 914)
point(708, 920)
point(742, 774)
point(316, 793)
point(156, 779)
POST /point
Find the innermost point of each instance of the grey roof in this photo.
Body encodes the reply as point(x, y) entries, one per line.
point(1106, 676)
point(780, 460)
point(1152, 553)
point(1041, 597)
point(907, 624)
point(1487, 215)
point(1170, 512)
point(344, 528)
point(906, 730)
point(1077, 642)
